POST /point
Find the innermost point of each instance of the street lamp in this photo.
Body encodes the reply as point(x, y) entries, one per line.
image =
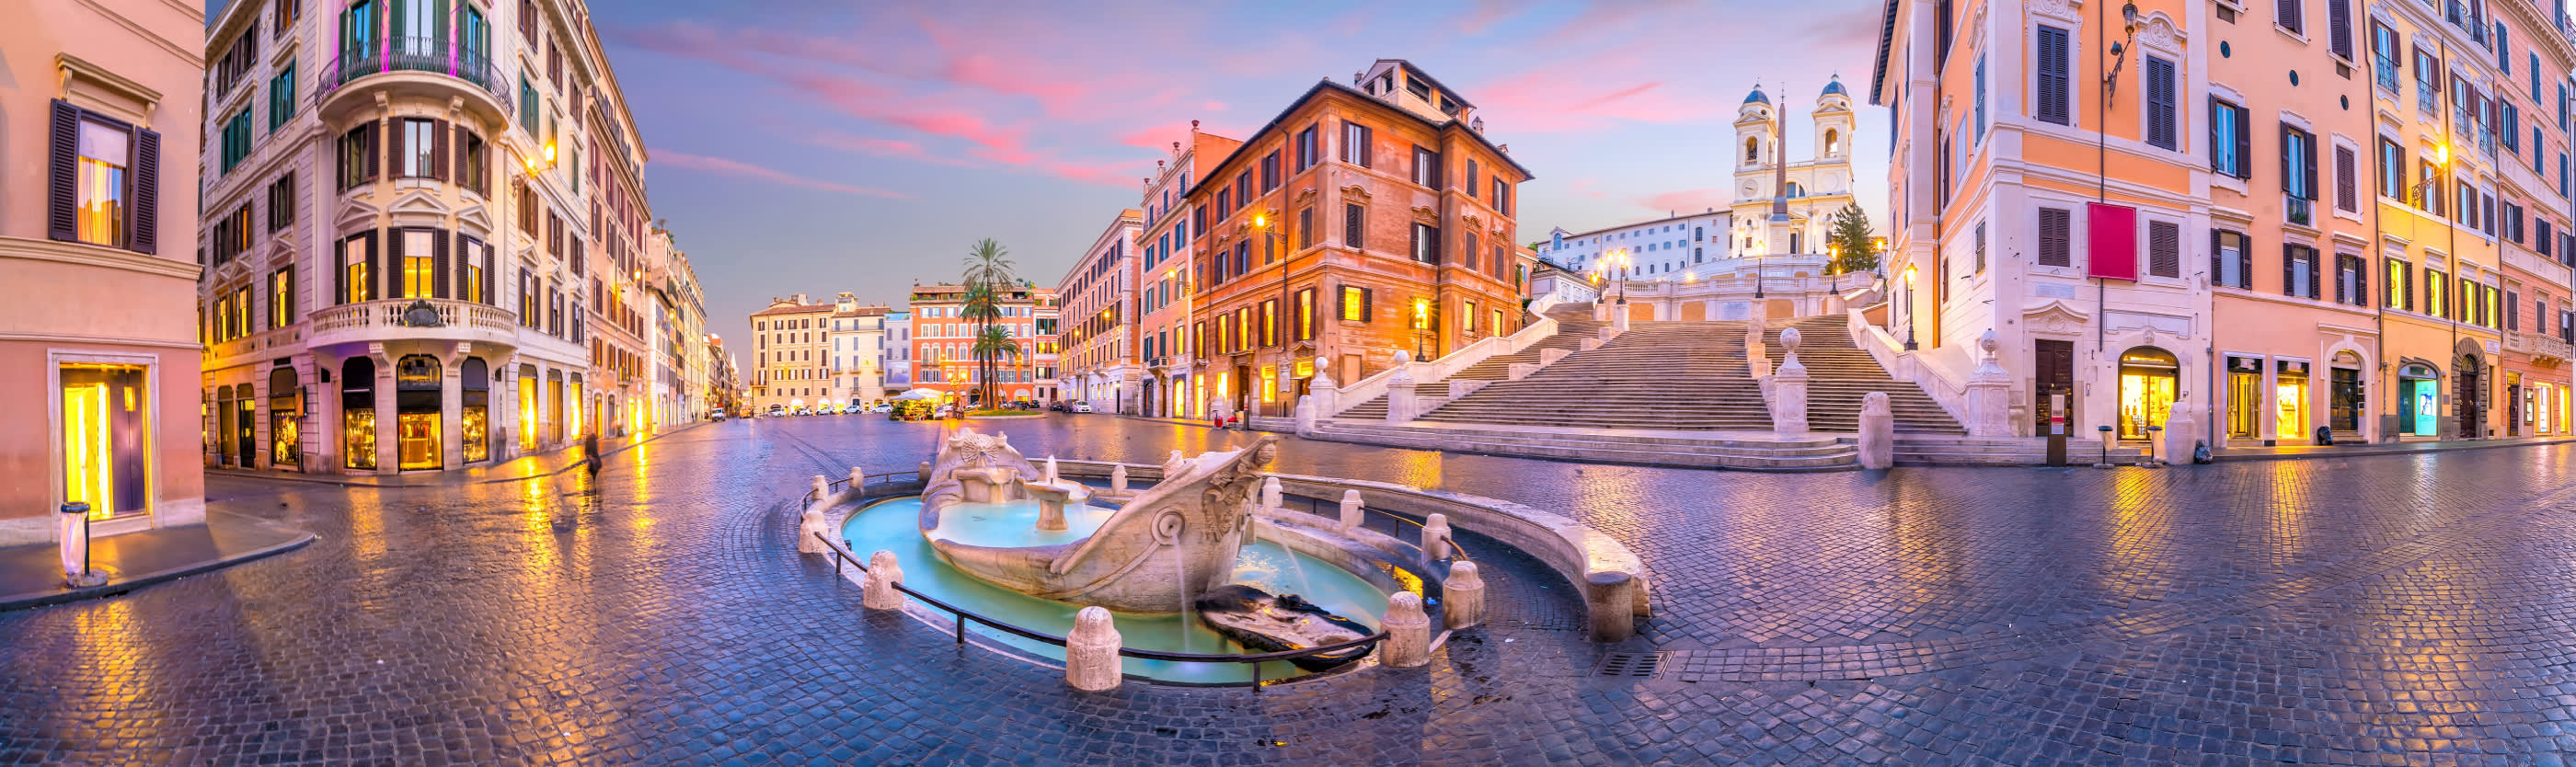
point(1909, 307)
point(1618, 259)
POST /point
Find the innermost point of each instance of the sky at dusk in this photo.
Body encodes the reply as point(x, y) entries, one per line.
point(819, 146)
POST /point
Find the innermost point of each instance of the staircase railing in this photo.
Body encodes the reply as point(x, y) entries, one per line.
point(1940, 373)
point(1441, 369)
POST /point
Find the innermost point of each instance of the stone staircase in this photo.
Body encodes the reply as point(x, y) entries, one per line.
point(1658, 375)
point(1839, 374)
point(1573, 322)
point(1715, 450)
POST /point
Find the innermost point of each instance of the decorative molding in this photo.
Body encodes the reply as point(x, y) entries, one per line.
point(1357, 192)
point(95, 340)
point(2159, 32)
point(474, 219)
point(418, 206)
point(101, 256)
point(1426, 213)
point(355, 215)
point(2070, 11)
point(2055, 317)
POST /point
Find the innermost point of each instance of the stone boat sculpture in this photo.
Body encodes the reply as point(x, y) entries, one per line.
point(1165, 547)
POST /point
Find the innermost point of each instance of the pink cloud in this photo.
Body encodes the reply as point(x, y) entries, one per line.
point(722, 166)
point(1687, 200)
point(1490, 12)
point(1551, 98)
point(880, 147)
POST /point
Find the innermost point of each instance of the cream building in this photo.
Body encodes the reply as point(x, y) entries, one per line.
point(791, 354)
point(98, 364)
point(858, 345)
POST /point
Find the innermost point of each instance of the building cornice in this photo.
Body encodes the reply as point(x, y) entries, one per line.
point(85, 254)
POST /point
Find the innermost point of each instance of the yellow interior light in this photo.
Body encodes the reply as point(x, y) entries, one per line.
point(2441, 154)
point(550, 153)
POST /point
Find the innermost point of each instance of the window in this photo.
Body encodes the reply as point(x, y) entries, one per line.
point(2230, 140)
point(473, 170)
point(2392, 170)
point(1270, 172)
point(1306, 151)
point(1426, 167)
point(1270, 322)
point(2231, 260)
point(1356, 147)
point(2401, 285)
point(1306, 314)
point(528, 111)
point(2287, 13)
point(1977, 134)
point(2436, 290)
point(281, 297)
point(1502, 196)
point(2298, 163)
point(103, 181)
point(2160, 103)
point(1305, 227)
point(419, 147)
point(2347, 183)
point(2299, 271)
point(2164, 248)
point(1471, 177)
point(1426, 243)
point(2052, 103)
point(281, 202)
point(1357, 305)
point(2383, 59)
point(2055, 237)
point(2428, 82)
point(281, 95)
point(357, 268)
point(2339, 28)
point(1354, 225)
point(358, 156)
point(236, 139)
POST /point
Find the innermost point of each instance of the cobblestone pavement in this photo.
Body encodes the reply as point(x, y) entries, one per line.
point(2380, 610)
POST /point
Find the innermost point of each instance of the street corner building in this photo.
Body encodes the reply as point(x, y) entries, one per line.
point(812, 354)
point(2270, 224)
point(97, 360)
point(1364, 220)
point(424, 237)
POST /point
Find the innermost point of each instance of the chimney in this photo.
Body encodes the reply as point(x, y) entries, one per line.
point(1194, 126)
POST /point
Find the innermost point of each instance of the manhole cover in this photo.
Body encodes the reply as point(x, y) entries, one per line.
point(1634, 665)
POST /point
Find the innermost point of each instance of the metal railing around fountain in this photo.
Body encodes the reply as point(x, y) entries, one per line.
point(841, 554)
point(873, 480)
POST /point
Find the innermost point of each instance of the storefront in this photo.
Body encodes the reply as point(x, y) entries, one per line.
point(416, 413)
point(474, 424)
point(2149, 379)
point(2469, 396)
point(285, 409)
point(2289, 400)
point(528, 411)
point(358, 413)
point(2244, 403)
point(2419, 400)
point(2347, 396)
point(106, 437)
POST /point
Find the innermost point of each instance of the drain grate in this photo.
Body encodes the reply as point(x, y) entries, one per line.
point(1632, 665)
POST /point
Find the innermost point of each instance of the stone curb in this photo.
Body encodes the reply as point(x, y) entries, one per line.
point(112, 588)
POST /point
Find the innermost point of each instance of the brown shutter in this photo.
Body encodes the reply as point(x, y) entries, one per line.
point(395, 144)
point(375, 135)
point(62, 175)
point(375, 261)
point(487, 273)
point(395, 253)
point(1368, 305)
point(339, 272)
point(146, 193)
point(441, 275)
point(438, 150)
point(463, 164)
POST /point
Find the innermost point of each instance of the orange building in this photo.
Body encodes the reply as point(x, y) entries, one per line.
point(1364, 220)
point(943, 344)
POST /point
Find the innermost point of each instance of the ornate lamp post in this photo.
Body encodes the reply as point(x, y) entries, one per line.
point(1909, 307)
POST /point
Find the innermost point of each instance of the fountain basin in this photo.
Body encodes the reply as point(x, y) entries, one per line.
point(891, 525)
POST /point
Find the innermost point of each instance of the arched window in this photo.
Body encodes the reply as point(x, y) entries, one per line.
point(1833, 142)
point(1795, 191)
point(2149, 379)
point(1752, 149)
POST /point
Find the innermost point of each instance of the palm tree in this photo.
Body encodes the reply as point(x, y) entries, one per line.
point(994, 343)
point(988, 272)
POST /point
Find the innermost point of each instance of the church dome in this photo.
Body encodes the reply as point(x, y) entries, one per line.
point(1835, 87)
point(1757, 97)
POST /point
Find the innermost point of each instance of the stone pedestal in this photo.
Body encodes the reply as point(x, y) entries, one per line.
point(1402, 400)
point(1789, 389)
point(1327, 394)
point(1611, 600)
point(1270, 493)
point(858, 479)
point(808, 527)
point(1619, 318)
point(1601, 311)
point(1550, 355)
point(1091, 659)
point(1462, 597)
point(1519, 370)
point(1610, 332)
point(877, 592)
point(1304, 415)
point(822, 488)
point(1352, 515)
point(1589, 344)
point(1877, 432)
point(1989, 393)
point(1118, 480)
point(1051, 499)
point(1408, 633)
point(1436, 542)
point(2181, 430)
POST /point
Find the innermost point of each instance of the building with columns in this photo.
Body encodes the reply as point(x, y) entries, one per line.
point(1098, 343)
point(96, 339)
point(404, 220)
point(2256, 225)
point(1363, 220)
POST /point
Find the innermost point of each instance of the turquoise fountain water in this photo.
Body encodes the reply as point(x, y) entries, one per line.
point(893, 525)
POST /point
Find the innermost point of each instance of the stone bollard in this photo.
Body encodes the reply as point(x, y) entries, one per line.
point(1270, 495)
point(1402, 398)
point(1589, 344)
point(858, 480)
point(877, 592)
point(1611, 600)
point(1352, 515)
point(1619, 320)
point(1989, 393)
point(1435, 537)
point(1091, 659)
point(1118, 480)
point(1519, 370)
point(1462, 597)
point(807, 528)
point(1304, 415)
point(922, 470)
point(822, 488)
point(2181, 431)
point(1408, 633)
point(1877, 432)
point(1789, 389)
point(1550, 355)
point(1608, 333)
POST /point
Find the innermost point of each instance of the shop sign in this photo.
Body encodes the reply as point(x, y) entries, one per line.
point(2245, 365)
point(2291, 367)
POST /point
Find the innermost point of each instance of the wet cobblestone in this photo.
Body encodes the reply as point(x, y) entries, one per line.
point(2383, 610)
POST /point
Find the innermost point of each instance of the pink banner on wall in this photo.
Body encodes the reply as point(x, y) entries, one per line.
point(2111, 237)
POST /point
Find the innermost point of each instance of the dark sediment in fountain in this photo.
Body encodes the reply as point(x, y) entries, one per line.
point(1265, 623)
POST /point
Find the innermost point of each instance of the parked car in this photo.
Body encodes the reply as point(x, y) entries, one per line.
point(882, 408)
point(1081, 406)
point(1059, 407)
point(716, 416)
point(777, 410)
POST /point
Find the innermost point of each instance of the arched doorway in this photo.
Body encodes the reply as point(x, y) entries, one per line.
point(2469, 391)
point(2346, 397)
point(358, 413)
point(1145, 398)
point(417, 411)
point(2418, 400)
point(285, 439)
point(2149, 376)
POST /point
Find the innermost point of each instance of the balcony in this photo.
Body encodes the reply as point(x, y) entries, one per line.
point(2544, 349)
point(413, 66)
point(386, 321)
point(263, 344)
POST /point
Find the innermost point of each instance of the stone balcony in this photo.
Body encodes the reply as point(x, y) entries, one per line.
point(2544, 349)
point(252, 347)
point(385, 320)
point(413, 67)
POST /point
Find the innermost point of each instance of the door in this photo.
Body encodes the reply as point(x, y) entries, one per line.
point(2471, 407)
point(2053, 372)
point(2344, 400)
point(245, 429)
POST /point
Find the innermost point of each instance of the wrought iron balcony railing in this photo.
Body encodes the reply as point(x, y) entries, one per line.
point(415, 54)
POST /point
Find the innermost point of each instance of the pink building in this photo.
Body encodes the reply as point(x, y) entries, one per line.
point(98, 358)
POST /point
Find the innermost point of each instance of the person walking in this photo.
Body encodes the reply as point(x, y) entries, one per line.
point(590, 446)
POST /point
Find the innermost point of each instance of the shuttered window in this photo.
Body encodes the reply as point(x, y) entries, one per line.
point(2298, 163)
point(2299, 277)
point(2347, 180)
point(2230, 140)
point(2164, 249)
point(2289, 14)
point(2055, 237)
point(2231, 261)
point(102, 181)
point(2051, 103)
point(1354, 225)
point(1426, 243)
point(2339, 28)
point(1356, 148)
point(2160, 103)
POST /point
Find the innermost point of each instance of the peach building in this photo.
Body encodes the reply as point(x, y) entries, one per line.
point(2286, 221)
point(1164, 338)
point(97, 347)
point(943, 341)
point(1364, 220)
point(1098, 341)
